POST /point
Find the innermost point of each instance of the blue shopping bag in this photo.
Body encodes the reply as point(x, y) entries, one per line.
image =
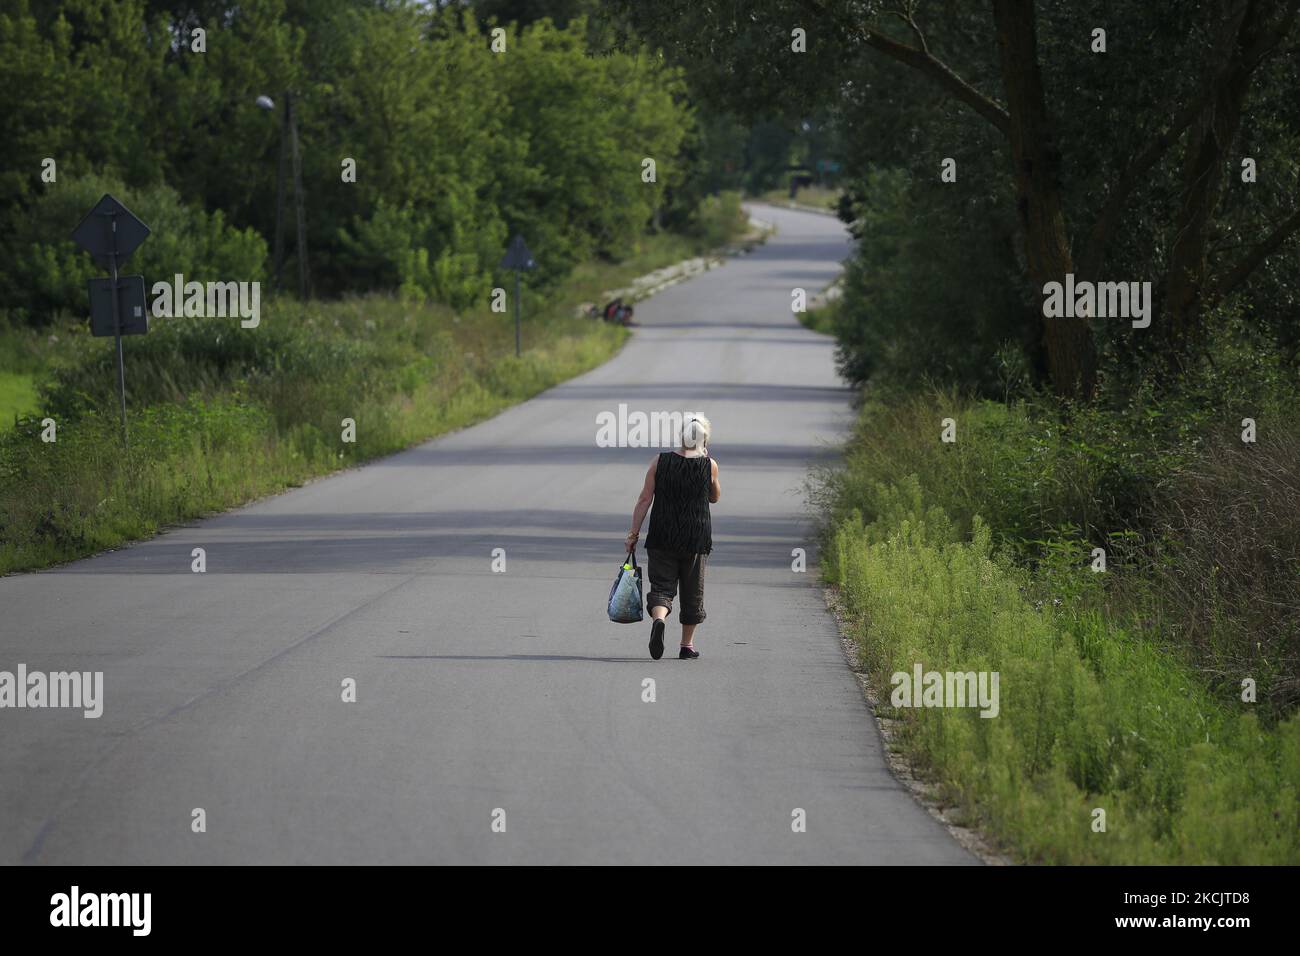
point(625, 604)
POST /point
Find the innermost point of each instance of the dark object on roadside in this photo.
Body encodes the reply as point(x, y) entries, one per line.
point(617, 311)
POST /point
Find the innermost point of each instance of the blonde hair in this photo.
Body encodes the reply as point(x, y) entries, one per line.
point(695, 433)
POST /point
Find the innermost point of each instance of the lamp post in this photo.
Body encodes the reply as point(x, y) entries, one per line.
point(289, 151)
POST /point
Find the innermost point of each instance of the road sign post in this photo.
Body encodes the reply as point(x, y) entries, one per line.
point(518, 258)
point(110, 232)
point(289, 155)
point(117, 334)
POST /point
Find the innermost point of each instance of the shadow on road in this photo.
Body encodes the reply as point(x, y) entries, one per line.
point(510, 657)
point(750, 457)
point(415, 543)
point(672, 392)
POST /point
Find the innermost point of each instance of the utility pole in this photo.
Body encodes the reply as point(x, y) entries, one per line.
point(304, 280)
point(290, 156)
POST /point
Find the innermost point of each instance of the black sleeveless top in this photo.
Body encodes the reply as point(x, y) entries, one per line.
point(679, 520)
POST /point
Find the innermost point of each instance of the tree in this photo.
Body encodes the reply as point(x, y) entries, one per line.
point(1063, 145)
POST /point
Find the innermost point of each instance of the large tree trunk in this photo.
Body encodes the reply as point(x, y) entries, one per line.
point(1070, 355)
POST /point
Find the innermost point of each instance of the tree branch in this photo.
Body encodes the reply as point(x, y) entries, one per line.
point(925, 62)
point(908, 16)
point(1252, 260)
point(1094, 252)
point(939, 71)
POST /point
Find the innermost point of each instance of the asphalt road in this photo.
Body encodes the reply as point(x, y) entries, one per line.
point(480, 691)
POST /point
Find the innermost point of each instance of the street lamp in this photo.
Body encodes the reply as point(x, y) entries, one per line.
point(289, 149)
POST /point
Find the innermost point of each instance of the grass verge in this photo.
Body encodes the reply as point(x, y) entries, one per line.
point(1104, 705)
point(816, 198)
point(17, 395)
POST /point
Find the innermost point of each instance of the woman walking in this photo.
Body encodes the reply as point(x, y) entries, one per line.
point(681, 484)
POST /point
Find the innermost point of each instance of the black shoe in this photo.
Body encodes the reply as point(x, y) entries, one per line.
point(657, 639)
point(688, 654)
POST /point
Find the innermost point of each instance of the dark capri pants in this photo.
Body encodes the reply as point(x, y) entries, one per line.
point(667, 570)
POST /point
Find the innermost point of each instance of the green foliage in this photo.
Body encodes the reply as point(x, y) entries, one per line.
point(17, 396)
point(1090, 716)
point(1006, 465)
point(255, 413)
point(81, 493)
point(22, 350)
point(926, 298)
point(82, 77)
point(1201, 530)
point(185, 240)
point(456, 146)
point(588, 124)
point(719, 219)
point(940, 286)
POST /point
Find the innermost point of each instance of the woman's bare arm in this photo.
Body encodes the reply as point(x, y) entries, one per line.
point(715, 489)
point(642, 504)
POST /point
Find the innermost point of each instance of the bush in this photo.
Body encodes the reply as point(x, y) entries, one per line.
point(1090, 716)
point(181, 357)
point(718, 219)
point(925, 299)
point(1013, 468)
point(456, 148)
point(83, 493)
point(1217, 566)
point(185, 240)
point(1201, 530)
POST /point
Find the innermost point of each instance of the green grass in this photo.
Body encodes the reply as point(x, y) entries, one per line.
point(220, 415)
point(1202, 531)
point(1092, 717)
point(817, 197)
point(24, 357)
point(1120, 691)
point(17, 396)
point(821, 319)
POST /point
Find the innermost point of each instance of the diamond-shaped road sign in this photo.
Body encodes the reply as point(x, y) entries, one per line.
point(110, 227)
point(518, 256)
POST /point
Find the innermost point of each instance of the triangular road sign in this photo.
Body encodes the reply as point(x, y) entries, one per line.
point(518, 256)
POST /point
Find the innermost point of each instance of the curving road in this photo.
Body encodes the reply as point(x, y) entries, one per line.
point(479, 690)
